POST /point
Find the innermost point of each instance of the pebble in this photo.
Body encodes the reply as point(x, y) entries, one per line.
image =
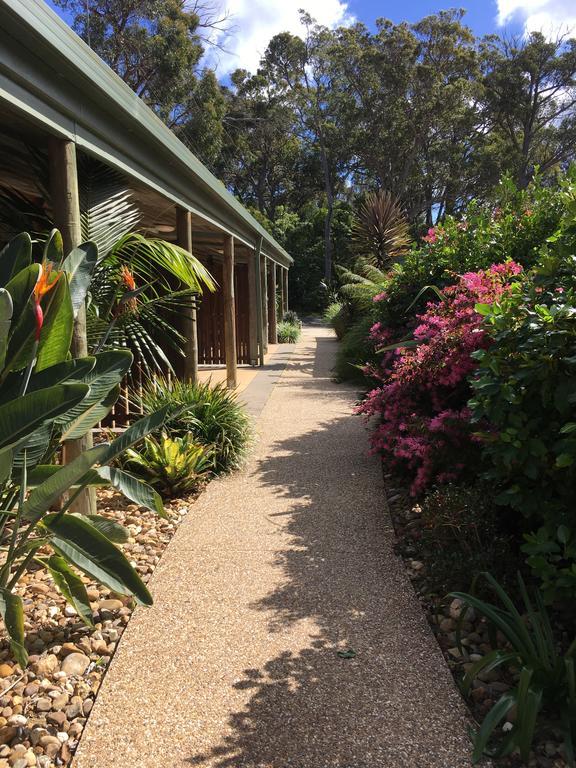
point(6, 670)
point(110, 605)
point(75, 664)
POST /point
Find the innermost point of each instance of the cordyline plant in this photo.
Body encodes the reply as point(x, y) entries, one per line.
point(46, 397)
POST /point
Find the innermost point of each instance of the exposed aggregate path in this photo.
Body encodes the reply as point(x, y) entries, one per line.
point(275, 570)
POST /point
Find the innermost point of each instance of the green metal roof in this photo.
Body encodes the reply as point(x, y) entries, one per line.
point(48, 73)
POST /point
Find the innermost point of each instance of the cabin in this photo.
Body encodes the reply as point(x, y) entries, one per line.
point(61, 99)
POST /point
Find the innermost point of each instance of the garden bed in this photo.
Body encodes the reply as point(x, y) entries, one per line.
point(443, 614)
point(44, 708)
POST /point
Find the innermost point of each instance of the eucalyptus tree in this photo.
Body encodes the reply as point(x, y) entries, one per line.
point(529, 102)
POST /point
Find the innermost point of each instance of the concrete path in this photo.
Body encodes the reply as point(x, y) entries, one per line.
point(275, 570)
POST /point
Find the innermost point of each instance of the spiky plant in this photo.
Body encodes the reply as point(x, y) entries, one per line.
point(381, 232)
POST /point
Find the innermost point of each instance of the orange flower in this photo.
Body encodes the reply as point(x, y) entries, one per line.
point(43, 286)
point(128, 278)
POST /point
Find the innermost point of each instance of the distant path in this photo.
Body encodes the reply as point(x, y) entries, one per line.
point(275, 570)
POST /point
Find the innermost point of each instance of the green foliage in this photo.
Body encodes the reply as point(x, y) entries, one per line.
point(462, 535)
point(544, 692)
point(525, 390)
point(336, 315)
point(173, 465)
point(291, 316)
point(210, 413)
point(381, 231)
point(288, 333)
point(46, 398)
point(354, 350)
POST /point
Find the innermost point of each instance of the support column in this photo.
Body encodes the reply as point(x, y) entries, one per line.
point(282, 292)
point(286, 305)
point(189, 324)
point(272, 312)
point(66, 210)
point(264, 292)
point(252, 310)
point(229, 312)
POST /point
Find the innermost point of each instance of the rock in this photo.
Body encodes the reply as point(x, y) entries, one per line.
point(456, 608)
point(70, 611)
point(36, 734)
point(18, 720)
point(62, 737)
point(75, 664)
point(93, 594)
point(73, 710)
point(56, 718)
point(110, 605)
point(68, 648)
point(87, 706)
point(100, 647)
point(51, 745)
point(455, 653)
point(7, 733)
point(44, 704)
point(6, 670)
point(43, 761)
point(18, 762)
point(38, 588)
point(31, 689)
point(60, 701)
point(46, 665)
point(446, 625)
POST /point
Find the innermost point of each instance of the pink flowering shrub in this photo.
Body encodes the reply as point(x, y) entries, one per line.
point(424, 428)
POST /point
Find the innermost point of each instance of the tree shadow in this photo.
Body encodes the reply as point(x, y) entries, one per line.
point(369, 689)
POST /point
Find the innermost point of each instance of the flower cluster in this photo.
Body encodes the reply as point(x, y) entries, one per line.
point(424, 424)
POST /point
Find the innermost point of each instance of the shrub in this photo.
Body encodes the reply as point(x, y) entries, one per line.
point(337, 317)
point(288, 333)
point(544, 693)
point(172, 465)
point(210, 413)
point(525, 394)
point(354, 350)
point(462, 535)
point(290, 316)
point(425, 426)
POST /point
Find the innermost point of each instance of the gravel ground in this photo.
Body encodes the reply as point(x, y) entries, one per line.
point(285, 631)
point(44, 709)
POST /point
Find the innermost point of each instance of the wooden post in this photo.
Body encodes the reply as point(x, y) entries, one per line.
point(66, 211)
point(229, 312)
point(264, 292)
point(190, 325)
point(282, 292)
point(272, 313)
point(252, 310)
point(286, 305)
point(259, 305)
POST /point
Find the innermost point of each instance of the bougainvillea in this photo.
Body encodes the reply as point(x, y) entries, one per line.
point(424, 424)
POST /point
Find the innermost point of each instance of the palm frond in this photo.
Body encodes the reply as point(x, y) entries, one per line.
point(381, 231)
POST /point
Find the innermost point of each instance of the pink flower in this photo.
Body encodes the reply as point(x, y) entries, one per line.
point(380, 296)
point(431, 236)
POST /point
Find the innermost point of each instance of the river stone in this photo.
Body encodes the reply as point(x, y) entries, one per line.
point(110, 605)
point(6, 670)
point(75, 664)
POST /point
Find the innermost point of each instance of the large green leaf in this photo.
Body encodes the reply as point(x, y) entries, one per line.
point(47, 493)
point(5, 323)
point(89, 550)
point(71, 586)
point(54, 247)
point(113, 531)
point(56, 334)
point(91, 416)
point(80, 264)
point(136, 432)
point(12, 613)
point(133, 488)
point(19, 418)
point(15, 256)
point(109, 370)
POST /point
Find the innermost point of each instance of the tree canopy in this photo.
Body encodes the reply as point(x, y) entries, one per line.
point(426, 111)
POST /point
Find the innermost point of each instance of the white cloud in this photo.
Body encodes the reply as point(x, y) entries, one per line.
point(254, 22)
point(548, 16)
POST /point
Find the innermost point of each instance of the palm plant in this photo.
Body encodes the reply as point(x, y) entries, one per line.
point(545, 689)
point(381, 231)
point(133, 300)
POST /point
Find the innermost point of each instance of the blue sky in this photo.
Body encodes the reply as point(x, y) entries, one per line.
point(253, 22)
